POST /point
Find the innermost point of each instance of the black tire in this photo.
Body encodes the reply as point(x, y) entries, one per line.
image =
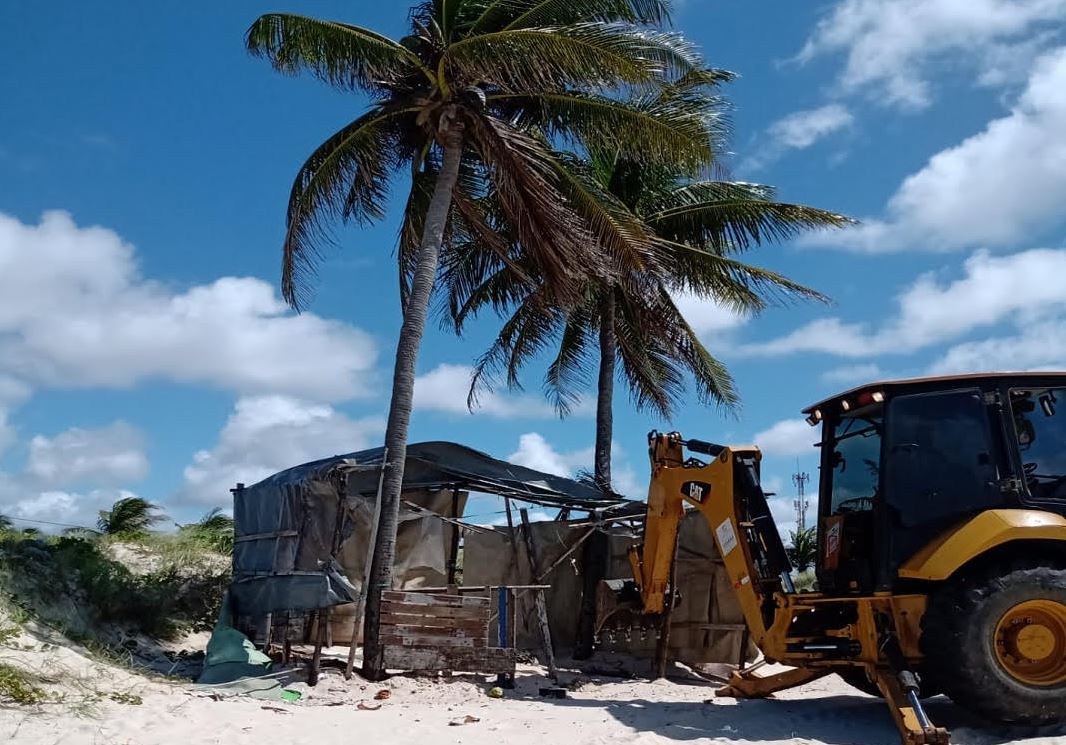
point(856, 678)
point(959, 644)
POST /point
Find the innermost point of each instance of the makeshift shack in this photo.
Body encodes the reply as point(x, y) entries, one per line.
point(302, 539)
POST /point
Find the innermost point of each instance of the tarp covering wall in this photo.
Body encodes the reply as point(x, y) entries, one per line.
point(301, 535)
point(707, 597)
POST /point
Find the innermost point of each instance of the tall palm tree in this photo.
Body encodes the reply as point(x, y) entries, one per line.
point(452, 102)
point(129, 516)
point(693, 227)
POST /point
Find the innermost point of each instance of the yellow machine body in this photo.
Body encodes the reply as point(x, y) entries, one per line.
point(814, 633)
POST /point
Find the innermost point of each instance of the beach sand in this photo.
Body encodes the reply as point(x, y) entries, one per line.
point(105, 704)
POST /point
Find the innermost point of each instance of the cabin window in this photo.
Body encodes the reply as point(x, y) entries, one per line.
point(940, 456)
point(1040, 429)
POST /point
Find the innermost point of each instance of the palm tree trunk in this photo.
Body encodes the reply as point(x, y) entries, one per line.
point(605, 393)
point(403, 388)
point(596, 553)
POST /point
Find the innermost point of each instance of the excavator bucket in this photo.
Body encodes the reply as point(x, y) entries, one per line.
point(619, 608)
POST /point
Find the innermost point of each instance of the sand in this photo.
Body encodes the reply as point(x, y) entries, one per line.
point(421, 711)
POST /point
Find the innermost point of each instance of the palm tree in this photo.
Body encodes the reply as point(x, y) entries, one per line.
point(693, 227)
point(129, 516)
point(214, 529)
point(452, 102)
point(804, 549)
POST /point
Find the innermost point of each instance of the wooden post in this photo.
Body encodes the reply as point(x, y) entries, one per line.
point(323, 621)
point(539, 602)
point(453, 552)
point(662, 647)
point(594, 560)
point(503, 680)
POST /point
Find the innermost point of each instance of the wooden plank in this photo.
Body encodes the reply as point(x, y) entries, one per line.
point(488, 660)
point(475, 629)
point(417, 640)
point(434, 611)
point(393, 619)
point(418, 598)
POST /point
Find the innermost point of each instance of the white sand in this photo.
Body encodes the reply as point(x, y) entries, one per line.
point(419, 711)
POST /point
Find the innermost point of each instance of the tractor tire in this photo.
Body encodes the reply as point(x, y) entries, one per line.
point(856, 678)
point(996, 643)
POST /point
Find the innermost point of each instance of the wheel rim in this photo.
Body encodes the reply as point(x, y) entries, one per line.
point(1031, 643)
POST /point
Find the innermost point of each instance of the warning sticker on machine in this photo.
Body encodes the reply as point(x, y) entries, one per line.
point(727, 537)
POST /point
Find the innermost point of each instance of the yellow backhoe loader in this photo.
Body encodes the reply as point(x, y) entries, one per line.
point(941, 548)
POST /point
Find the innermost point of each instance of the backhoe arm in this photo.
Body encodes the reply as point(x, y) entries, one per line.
point(725, 489)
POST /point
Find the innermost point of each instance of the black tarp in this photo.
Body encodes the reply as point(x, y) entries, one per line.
point(290, 526)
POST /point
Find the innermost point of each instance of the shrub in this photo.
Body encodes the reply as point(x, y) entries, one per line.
point(16, 687)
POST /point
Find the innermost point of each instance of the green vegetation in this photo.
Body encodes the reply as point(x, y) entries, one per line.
point(129, 517)
point(803, 548)
point(214, 531)
point(79, 586)
point(17, 687)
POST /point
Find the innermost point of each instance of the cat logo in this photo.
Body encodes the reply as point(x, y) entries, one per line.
point(697, 491)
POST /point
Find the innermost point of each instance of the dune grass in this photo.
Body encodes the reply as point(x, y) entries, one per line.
point(77, 584)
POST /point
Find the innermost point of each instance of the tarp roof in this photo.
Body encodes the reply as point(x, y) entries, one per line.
point(441, 465)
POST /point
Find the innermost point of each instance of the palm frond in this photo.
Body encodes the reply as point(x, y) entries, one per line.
point(727, 216)
point(524, 335)
point(567, 375)
point(340, 54)
point(653, 378)
point(565, 12)
point(129, 516)
point(714, 384)
point(489, 15)
point(665, 133)
point(556, 58)
point(347, 177)
point(623, 237)
point(743, 287)
point(549, 233)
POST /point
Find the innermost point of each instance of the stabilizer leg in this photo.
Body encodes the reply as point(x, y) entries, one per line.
point(901, 695)
point(746, 684)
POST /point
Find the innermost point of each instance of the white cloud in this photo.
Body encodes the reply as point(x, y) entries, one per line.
point(107, 456)
point(77, 313)
point(853, 374)
point(893, 46)
point(789, 437)
point(993, 189)
point(99, 460)
point(534, 451)
point(266, 434)
point(707, 317)
point(798, 131)
point(445, 387)
point(1017, 288)
point(801, 129)
point(1037, 346)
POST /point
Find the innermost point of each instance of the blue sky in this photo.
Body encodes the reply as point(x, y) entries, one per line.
point(145, 162)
